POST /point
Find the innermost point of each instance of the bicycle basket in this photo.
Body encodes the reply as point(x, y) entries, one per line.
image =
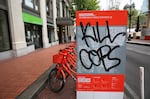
point(57, 58)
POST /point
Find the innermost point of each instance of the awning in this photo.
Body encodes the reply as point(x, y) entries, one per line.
point(64, 21)
point(31, 19)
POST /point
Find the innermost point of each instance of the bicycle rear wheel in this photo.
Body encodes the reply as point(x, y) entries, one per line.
point(55, 81)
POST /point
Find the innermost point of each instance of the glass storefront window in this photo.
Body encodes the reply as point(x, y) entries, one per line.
point(53, 37)
point(28, 33)
point(4, 33)
point(33, 35)
point(51, 34)
point(29, 38)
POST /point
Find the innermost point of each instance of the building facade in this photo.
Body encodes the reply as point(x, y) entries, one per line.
point(146, 28)
point(27, 25)
point(114, 4)
point(110, 4)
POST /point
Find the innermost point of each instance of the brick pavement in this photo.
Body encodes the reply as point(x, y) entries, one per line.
point(19, 73)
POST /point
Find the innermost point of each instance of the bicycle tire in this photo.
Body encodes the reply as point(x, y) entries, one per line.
point(55, 84)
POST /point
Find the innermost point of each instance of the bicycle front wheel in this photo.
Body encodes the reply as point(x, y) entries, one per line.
point(55, 81)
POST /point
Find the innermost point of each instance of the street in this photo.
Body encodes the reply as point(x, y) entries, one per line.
point(137, 55)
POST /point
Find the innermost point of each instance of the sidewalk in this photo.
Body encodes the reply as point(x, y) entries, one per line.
point(17, 74)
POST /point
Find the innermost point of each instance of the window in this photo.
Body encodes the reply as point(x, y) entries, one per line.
point(3, 5)
point(4, 33)
point(28, 33)
point(3, 2)
point(58, 8)
point(36, 3)
point(67, 12)
point(33, 4)
point(29, 3)
point(51, 34)
point(48, 7)
point(33, 35)
point(64, 7)
point(51, 8)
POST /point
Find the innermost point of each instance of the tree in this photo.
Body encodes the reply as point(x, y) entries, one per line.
point(84, 5)
point(137, 24)
point(142, 19)
point(132, 14)
point(137, 19)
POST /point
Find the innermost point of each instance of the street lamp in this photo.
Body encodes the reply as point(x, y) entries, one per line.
point(130, 17)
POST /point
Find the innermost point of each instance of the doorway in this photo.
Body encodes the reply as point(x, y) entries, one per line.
point(33, 35)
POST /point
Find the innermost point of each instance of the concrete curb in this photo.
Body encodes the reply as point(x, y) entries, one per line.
point(129, 92)
point(36, 87)
point(139, 43)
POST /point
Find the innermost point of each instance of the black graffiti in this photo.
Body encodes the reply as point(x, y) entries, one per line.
point(101, 57)
point(97, 38)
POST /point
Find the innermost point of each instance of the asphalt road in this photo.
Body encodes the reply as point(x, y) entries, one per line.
point(138, 55)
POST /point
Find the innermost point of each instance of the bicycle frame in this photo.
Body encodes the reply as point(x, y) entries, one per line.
point(65, 63)
point(68, 58)
point(66, 66)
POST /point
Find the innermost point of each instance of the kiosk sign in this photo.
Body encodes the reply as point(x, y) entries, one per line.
point(101, 56)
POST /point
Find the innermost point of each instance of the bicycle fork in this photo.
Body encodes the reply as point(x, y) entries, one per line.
point(69, 71)
point(61, 72)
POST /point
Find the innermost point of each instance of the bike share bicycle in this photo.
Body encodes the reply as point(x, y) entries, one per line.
point(65, 65)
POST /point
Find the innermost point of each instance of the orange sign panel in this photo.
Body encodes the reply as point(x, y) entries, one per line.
point(100, 82)
point(118, 18)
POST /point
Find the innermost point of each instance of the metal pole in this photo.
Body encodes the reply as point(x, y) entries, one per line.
point(141, 82)
point(130, 18)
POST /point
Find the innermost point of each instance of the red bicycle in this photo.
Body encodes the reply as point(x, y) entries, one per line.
point(65, 66)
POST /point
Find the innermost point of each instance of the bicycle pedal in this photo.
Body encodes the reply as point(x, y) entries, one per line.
point(64, 81)
point(74, 78)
